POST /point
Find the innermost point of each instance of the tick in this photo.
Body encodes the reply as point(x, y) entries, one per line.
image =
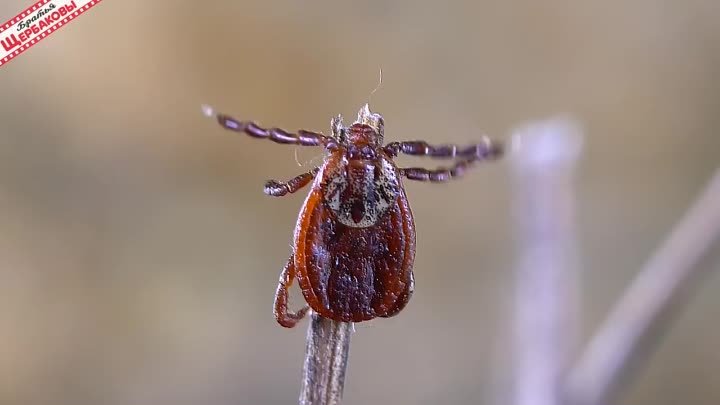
point(354, 241)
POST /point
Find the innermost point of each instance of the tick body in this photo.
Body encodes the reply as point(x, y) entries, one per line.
point(354, 241)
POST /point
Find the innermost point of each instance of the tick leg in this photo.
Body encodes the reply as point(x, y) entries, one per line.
point(279, 189)
point(486, 149)
point(439, 175)
point(302, 137)
point(283, 316)
point(465, 158)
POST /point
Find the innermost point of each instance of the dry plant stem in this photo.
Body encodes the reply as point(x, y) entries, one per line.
point(326, 356)
point(673, 268)
point(546, 297)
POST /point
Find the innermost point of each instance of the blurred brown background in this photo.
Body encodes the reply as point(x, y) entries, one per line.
point(139, 257)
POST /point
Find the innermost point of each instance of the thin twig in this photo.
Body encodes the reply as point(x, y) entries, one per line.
point(326, 356)
point(645, 305)
point(546, 299)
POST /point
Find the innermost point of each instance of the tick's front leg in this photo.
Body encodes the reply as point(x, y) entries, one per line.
point(283, 316)
point(486, 149)
point(277, 135)
point(279, 189)
point(465, 158)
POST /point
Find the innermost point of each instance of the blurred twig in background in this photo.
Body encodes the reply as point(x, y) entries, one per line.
point(543, 160)
point(645, 305)
point(544, 155)
point(326, 356)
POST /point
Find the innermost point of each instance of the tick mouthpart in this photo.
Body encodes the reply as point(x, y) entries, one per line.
point(371, 119)
point(362, 131)
point(363, 134)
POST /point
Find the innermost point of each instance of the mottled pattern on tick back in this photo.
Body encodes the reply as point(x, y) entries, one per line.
point(359, 192)
point(354, 267)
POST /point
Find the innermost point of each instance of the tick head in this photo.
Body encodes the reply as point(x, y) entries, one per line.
point(367, 130)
